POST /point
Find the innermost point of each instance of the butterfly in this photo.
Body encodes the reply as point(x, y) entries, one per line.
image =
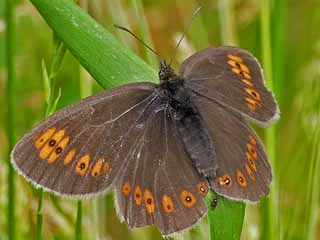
point(160, 147)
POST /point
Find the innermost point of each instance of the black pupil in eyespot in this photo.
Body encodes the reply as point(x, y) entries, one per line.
point(82, 165)
point(52, 143)
point(188, 199)
point(59, 150)
point(149, 201)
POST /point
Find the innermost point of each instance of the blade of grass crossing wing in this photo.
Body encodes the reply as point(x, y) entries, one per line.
point(97, 50)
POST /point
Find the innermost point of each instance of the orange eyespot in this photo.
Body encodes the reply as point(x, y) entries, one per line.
point(241, 179)
point(96, 170)
point(225, 181)
point(44, 137)
point(48, 148)
point(138, 195)
point(253, 93)
point(203, 188)
point(250, 172)
point(187, 199)
point(149, 201)
point(167, 204)
point(252, 151)
point(235, 58)
point(69, 157)
point(126, 189)
point(83, 164)
point(58, 150)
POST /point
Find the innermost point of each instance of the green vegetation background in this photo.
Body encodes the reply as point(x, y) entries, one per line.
point(295, 59)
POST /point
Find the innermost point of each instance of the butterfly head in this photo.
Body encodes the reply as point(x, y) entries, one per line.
point(166, 72)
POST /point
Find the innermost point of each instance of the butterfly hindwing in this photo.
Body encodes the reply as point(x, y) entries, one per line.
point(160, 186)
point(243, 170)
point(79, 150)
point(232, 77)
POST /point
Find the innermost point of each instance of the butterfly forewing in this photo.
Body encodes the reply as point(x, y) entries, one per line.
point(232, 77)
point(79, 150)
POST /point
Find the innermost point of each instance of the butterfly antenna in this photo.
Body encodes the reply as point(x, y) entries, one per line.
point(137, 38)
point(186, 29)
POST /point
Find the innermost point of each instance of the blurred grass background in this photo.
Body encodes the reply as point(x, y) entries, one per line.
point(295, 64)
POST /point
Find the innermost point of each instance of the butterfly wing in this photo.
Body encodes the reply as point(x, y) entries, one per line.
point(232, 77)
point(243, 170)
point(159, 185)
point(79, 150)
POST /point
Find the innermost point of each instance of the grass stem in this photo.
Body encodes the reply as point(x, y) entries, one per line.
point(51, 104)
point(269, 205)
point(78, 232)
point(10, 95)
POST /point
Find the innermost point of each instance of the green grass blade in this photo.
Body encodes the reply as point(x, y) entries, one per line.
point(78, 229)
point(270, 214)
point(144, 32)
point(226, 218)
point(39, 214)
point(10, 97)
point(226, 22)
point(97, 50)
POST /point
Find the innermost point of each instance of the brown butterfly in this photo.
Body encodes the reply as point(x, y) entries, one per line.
point(160, 147)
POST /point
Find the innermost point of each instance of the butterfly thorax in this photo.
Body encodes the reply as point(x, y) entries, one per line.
point(173, 88)
point(188, 121)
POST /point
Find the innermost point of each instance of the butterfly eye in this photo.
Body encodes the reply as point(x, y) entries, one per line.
point(167, 204)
